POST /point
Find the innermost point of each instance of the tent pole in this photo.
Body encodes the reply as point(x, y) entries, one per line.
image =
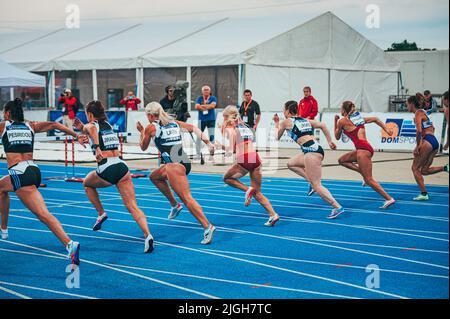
point(11, 93)
point(329, 88)
point(241, 84)
point(52, 91)
point(189, 90)
point(94, 85)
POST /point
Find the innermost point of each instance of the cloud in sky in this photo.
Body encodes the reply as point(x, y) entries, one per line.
point(425, 22)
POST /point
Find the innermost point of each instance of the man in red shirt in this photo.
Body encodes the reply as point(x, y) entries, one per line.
point(130, 102)
point(308, 107)
point(69, 107)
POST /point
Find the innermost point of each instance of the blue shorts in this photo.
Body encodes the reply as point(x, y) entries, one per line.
point(432, 140)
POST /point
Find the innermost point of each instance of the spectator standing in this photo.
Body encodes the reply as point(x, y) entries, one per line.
point(430, 103)
point(308, 107)
point(206, 105)
point(250, 111)
point(130, 102)
point(69, 107)
point(168, 100)
point(445, 104)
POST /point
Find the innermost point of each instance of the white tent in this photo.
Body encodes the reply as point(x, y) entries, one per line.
point(275, 57)
point(11, 76)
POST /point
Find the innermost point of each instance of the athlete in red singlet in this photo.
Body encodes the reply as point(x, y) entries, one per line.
point(353, 125)
point(241, 140)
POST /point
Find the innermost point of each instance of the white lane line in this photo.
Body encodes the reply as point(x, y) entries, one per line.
point(306, 261)
point(46, 290)
point(365, 227)
point(214, 254)
point(234, 282)
point(120, 270)
point(14, 293)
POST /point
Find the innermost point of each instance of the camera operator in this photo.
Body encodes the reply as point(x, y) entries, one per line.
point(70, 105)
point(175, 101)
point(168, 100)
point(130, 102)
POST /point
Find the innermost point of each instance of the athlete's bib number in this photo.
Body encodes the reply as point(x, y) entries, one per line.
point(16, 137)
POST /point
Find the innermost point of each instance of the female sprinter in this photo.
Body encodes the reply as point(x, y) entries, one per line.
point(309, 164)
point(241, 140)
point(360, 160)
point(427, 145)
point(176, 165)
point(24, 175)
point(111, 169)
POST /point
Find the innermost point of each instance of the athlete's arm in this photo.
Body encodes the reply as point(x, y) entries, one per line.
point(378, 122)
point(146, 135)
point(418, 122)
point(92, 132)
point(280, 127)
point(2, 127)
point(338, 126)
point(194, 129)
point(326, 132)
point(40, 127)
point(230, 133)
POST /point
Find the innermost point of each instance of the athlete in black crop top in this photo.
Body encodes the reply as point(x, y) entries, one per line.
point(112, 170)
point(169, 141)
point(24, 176)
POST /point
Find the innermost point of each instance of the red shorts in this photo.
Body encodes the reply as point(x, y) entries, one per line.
point(249, 161)
point(364, 145)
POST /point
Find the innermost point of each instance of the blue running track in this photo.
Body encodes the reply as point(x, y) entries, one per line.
point(303, 256)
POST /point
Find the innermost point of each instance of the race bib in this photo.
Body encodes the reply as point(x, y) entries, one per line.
point(19, 137)
point(246, 133)
point(357, 119)
point(303, 126)
point(110, 140)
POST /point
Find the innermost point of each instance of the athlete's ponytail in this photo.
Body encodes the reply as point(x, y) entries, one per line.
point(155, 109)
point(292, 107)
point(15, 110)
point(349, 107)
point(417, 100)
point(232, 114)
point(97, 109)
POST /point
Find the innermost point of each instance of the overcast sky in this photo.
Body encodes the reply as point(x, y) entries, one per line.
point(425, 22)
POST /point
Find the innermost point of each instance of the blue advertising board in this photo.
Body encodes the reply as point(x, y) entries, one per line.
point(117, 119)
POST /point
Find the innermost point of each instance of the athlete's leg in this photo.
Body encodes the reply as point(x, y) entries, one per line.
point(297, 165)
point(365, 166)
point(33, 200)
point(427, 169)
point(348, 160)
point(313, 162)
point(420, 161)
point(233, 175)
point(256, 179)
point(176, 174)
point(126, 189)
point(91, 183)
point(159, 179)
point(5, 188)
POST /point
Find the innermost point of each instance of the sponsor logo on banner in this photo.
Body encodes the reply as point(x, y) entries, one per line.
point(404, 132)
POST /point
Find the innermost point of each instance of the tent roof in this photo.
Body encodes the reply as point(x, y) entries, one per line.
point(205, 42)
point(11, 76)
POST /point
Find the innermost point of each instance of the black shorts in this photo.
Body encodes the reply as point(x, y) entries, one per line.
point(112, 170)
point(23, 174)
point(312, 147)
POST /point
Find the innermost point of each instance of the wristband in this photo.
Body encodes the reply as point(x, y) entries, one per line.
point(95, 146)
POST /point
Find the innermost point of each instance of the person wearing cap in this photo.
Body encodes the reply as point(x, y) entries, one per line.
point(69, 107)
point(130, 102)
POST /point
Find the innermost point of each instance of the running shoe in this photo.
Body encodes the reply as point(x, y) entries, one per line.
point(5, 235)
point(388, 204)
point(175, 211)
point(311, 191)
point(74, 252)
point(422, 197)
point(446, 168)
point(272, 220)
point(148, 244)
point(249, 196)
point(100, 220)
point(336, 212)
point(208, 235)
point(364, 184)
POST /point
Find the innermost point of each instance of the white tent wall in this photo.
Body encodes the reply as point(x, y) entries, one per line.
point(424, 70)
point(346, 86)
point(272, 86)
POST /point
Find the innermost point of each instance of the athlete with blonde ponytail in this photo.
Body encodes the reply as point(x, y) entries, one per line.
point(175, 163)
point(241, 140)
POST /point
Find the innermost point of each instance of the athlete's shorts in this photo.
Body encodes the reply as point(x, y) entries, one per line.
point(249, 161)
point(432, 140)
point(364, 145)
point(187, 166)
point(312, 147)
point(23, 174)
point(112, 170)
